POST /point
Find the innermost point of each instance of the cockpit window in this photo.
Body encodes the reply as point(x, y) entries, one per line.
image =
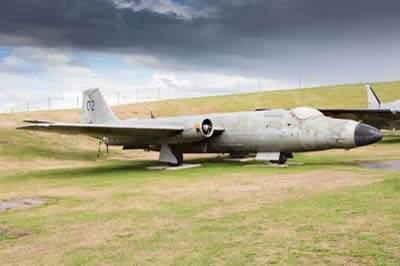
point(304, 113)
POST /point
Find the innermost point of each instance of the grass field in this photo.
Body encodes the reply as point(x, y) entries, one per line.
point(328, 211)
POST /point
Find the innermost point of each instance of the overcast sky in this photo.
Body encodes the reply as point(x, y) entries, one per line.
point(61, 47)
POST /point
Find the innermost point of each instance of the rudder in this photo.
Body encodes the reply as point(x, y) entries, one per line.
point(95, 109)
point(373, 100)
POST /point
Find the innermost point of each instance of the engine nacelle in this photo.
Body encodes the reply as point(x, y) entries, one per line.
point(195, 131)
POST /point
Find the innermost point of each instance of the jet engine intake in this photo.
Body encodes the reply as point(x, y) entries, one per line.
point(207, 128)
point(194, 131)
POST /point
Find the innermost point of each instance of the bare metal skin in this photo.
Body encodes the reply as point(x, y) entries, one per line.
point(272, 134)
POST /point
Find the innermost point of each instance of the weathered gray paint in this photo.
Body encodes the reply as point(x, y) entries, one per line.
point(264, 131)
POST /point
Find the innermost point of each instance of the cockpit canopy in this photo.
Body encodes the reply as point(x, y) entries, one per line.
point(305, 113)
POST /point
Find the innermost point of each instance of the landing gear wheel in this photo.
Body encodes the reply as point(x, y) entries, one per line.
point(179, 158)
point(282, 159)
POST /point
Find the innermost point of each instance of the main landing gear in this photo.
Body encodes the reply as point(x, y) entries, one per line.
point(179, 158)
point(170, 156)
point(282, 158)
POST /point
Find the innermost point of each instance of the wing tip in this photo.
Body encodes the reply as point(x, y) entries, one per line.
point(34, 121)
point(22, 128)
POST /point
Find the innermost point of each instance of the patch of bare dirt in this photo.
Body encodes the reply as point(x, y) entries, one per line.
point(239, 185)
point(130, 155)
point(245, 192)
point(40, 164)
point(75, 192)
point(15, 233)
point(18, 204)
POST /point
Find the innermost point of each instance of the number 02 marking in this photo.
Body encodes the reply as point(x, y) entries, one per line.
point(90, 105)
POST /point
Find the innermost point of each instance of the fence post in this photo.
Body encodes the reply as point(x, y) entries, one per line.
point(137, 95)
point(159, 93)
point(49, 104)
point(77, 102)
point(300, 82)
point(27, 106)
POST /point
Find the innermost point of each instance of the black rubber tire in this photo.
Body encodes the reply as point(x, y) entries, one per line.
point(282, 159)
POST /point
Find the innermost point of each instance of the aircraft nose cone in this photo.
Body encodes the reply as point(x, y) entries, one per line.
point(366, 134)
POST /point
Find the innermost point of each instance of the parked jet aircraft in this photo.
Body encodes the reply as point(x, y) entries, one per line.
point(274, 134)
point(380, 115)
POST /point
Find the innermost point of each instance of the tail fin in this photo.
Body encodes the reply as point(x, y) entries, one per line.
point(373, 100)
point(95, 109)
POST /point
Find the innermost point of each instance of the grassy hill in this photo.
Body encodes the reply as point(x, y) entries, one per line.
point(352, 95)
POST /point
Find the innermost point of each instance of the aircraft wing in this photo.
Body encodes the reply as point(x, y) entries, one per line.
point(136, 131)
point(380, 118)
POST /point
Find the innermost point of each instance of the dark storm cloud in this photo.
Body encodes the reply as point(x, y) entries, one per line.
point(235, 34)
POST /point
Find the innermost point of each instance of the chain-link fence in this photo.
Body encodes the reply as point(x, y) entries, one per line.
point(115, 98)
point(118, 98)
point(136, 96)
